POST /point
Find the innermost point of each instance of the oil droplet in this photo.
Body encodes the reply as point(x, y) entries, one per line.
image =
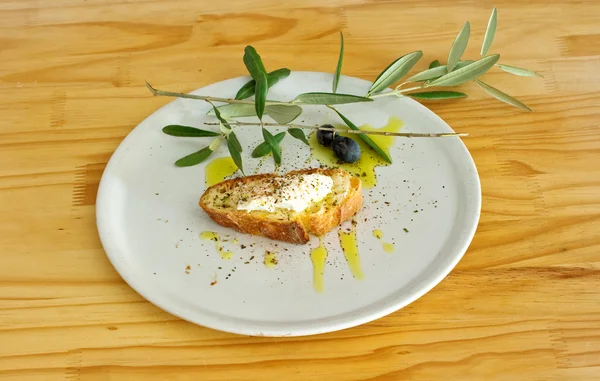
point(365, 166)
point(388, 247)
point(213, 236)
point(218, 169)
point(377, 234)
point(270, 259)
point(318, 255)
point(350, 248)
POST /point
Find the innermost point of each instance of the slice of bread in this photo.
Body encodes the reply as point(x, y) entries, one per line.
point(343, 201)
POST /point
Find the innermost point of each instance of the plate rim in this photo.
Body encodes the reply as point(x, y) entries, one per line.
point(274, 331)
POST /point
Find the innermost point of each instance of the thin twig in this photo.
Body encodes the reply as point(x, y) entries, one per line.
point(162, 93)
point(384, 133)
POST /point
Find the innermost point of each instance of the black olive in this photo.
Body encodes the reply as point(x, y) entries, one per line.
point(346, 149)
point(324, 137)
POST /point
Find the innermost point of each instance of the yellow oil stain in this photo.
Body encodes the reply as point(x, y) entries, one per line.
point(270, 259)
point(218, 170)
point(350, 249)
point(388, 247)
point(318, 256)
point(365, 166)
point(213, 236)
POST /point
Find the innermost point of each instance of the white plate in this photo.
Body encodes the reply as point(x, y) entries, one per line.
point(150, 223)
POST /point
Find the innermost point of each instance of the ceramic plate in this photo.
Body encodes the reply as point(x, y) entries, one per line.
point(415, 224)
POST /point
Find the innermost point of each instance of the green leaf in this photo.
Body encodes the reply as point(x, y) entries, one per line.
point(270, 139)
point(490, 32)
point(317, 98)
point(433, 64)
point(253, 62)
point(246, 91)
point(434, 95)
point(435, 72)
point(338, 70)
point(233, 137)
point(235, 155)
point(502, 96)
point(235, 110)
point(264, 148)
point(283, 114)
point(463, 64)
point(273, 77)
point(218, 115)
point(194, 158)
point(298, 134)
point(261, 94)
point(279, 137)
point(459, 46)
point(466, 73)
point(261, 150)
point(177, 130)
point(394, 72)
point(365, 138)
point(518, 71)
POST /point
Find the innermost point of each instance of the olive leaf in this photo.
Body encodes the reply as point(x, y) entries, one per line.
point(502, 96)
point(459, 46)
point(435, 95)
point(338, 69)
point(394, 72)
point(178, 130)
point(466, 73)
point(364, 137)
point(260, 98)
point(215, 144)
point(261, 150)
point(274, 144)
point(298, 134)
point(436, 72)
point(318, 98)
point(235, 110)
point(224, 130)
point(518, 71)
point(194, 158)
point(233, 137)
point(490, 32)
point(273, 77)
point(235, 155)
point(283, 114)
point(463, 63)
point(220, 117)
point(264, 148)
point(253, 62)
point(433, 64)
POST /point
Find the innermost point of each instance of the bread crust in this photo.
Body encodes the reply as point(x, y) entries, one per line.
point(295, 230)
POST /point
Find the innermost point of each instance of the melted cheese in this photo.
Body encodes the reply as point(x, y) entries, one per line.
point(293, 192)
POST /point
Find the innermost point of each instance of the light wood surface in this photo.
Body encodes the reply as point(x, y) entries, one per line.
point(523, 304)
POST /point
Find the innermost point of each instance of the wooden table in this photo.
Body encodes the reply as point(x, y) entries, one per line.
point(524, 302)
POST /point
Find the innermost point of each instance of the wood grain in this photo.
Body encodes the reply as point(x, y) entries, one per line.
point(523, 304)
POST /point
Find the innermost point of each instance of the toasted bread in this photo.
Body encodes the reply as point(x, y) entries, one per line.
point(343, 201)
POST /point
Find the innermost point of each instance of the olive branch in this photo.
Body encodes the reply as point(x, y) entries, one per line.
point(455, 72)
